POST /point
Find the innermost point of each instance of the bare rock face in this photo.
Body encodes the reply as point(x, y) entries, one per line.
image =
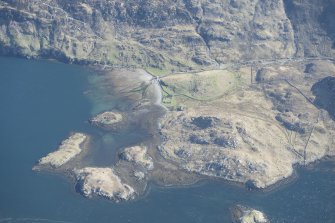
point(166, 35)
point(67, 150)
point(242, 214)
point(138, 155)
point(103, 182)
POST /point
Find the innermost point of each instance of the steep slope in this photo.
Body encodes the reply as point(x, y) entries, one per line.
point(313, 26)
point(324, 91)
point(165, 35)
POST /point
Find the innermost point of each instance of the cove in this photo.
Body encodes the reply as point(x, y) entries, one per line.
point(42, 101)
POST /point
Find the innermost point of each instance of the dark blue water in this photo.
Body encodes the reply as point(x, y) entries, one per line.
point(41, 102)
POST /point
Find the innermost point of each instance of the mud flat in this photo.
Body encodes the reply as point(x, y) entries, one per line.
point(139, 87)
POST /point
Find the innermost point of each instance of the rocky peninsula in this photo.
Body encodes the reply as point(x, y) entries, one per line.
point(251, 133)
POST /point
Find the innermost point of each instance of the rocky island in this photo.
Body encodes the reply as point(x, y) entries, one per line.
point(102, 182)
point(68, 149)
point(107, 120)
point(242, 214)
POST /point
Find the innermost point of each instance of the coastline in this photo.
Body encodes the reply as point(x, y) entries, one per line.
point(213, 193)
point(144, 105)
point(134, 79)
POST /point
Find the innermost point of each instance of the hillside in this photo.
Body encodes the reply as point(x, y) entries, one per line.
point(166, 35)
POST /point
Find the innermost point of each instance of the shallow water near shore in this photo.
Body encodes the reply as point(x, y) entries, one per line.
point(43, 101)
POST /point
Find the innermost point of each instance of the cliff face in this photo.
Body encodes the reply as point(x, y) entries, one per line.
point(166, 34)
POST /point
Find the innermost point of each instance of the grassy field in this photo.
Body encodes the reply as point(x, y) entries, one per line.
point(191, 89)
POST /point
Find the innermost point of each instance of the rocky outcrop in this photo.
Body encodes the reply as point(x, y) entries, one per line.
point(242, 214)
point(95, 181)
point(67, 150)
point(138, 155)
point(165, 35)
point(230, 147)
point(107, 120)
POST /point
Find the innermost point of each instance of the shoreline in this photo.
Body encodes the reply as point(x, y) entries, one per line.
point(145, 76)
point(279, 185)
point(214, 193)
point(155, 98)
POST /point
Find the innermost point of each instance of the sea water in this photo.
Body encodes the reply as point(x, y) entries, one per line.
point(41, 102)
